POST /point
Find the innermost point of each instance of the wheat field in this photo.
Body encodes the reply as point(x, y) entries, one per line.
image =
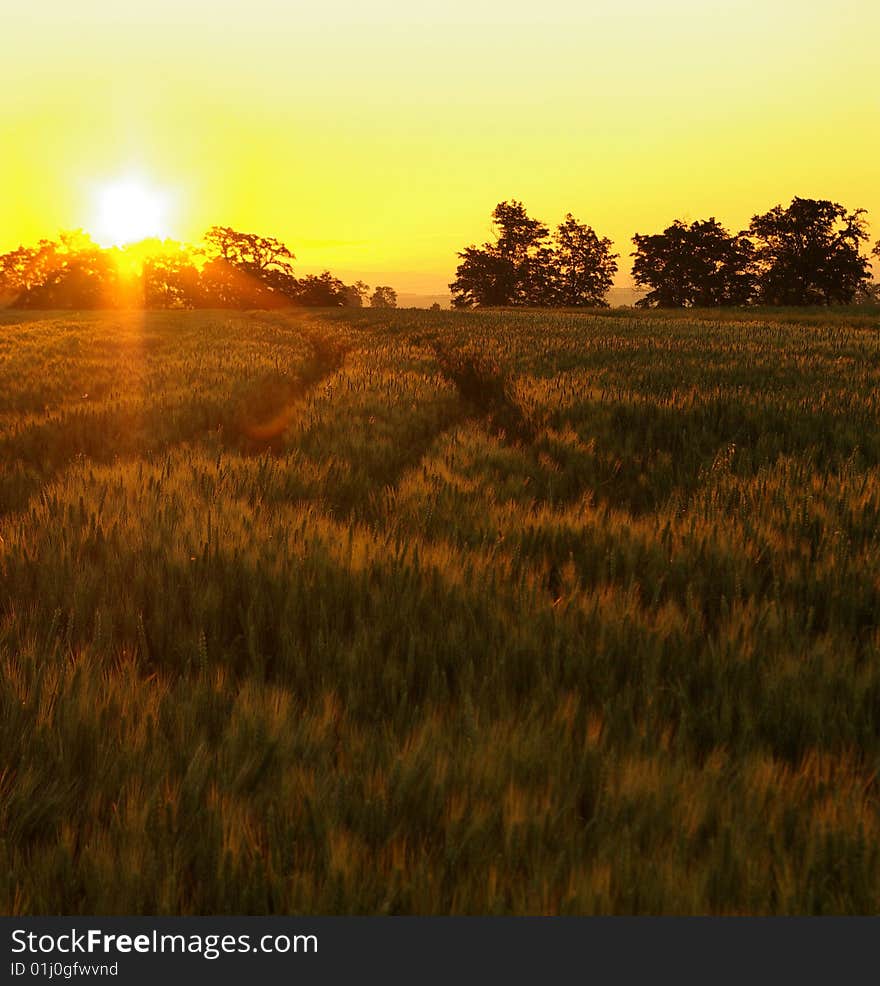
point(410, 612)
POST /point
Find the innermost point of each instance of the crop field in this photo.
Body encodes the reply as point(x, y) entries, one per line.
point(418, 612)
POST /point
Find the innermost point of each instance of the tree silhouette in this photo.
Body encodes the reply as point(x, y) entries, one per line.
point(248, 270)
point(384, 297)
point(71, 273)
point(242, 270)
point(870, 292)
point(699, 264)
point(322, 291)
point(582, 265)
point(356, 294)
point(25, 268)
point(483, 278)
point(522, 242)
point(524, 267)
point(231, 270)
point(512, 270)
point(172, 280)
point(809, 253)
point(249, 251)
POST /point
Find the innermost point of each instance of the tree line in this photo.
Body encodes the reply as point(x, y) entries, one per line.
point(230, 270)
point(808, 253)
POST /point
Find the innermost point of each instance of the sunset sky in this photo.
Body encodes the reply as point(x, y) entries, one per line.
point(375, 138)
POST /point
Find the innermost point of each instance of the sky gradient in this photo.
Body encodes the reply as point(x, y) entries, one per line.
point(375, 138)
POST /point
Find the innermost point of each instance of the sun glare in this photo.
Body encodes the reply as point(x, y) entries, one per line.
point(130, 209)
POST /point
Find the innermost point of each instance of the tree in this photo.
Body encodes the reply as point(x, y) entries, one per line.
point(582, 266)
point(248, 270)
point(384, 297)
point(699, 264)
point(512, 270)
point(321, 291)
point(483, 278)
point(522, 242)
point(25, 268)
point(72, 273)
point(171, 279)
point(868, 294)
point(242, 270)
point(523, 266)
point(356, 294)
point(249, 251)
point(809, 253)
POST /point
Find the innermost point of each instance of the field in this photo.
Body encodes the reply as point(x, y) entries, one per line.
point(410, 612)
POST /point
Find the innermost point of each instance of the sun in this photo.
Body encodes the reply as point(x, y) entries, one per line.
point(130, 209)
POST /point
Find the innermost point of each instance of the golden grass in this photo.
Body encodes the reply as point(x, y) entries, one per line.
point(294, 617)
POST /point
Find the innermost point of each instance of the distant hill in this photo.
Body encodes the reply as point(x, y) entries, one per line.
point(410, 300)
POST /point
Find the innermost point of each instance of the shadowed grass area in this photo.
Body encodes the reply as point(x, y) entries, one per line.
point(404, 612)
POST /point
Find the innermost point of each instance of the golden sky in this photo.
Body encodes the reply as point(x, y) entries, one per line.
point(375, 138)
